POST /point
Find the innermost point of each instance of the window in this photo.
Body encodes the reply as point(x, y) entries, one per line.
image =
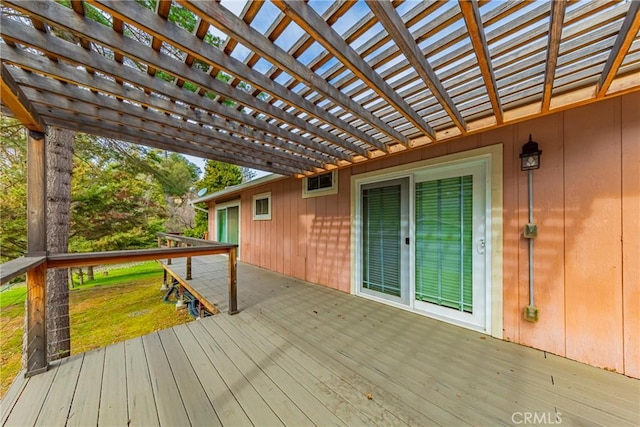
point(320, 185)
point(262, 206)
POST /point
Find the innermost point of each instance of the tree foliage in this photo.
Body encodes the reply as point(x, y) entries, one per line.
point(114, 208)
point(120, 192)
point(13, 208)
point(176, 174)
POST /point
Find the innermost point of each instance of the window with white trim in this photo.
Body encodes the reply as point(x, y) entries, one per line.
point(320, 185)
point(262, 206)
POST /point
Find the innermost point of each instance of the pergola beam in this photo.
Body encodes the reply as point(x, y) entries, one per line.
point(209, 54)
point(226, 21)
point(392, 22)
point(14, 98)
point(236, 121)
point(19, 32)
point(104, 108)
point(116, 130)
point(626, 35)
point(307, 18)
point(553, 49)
point(473, 20)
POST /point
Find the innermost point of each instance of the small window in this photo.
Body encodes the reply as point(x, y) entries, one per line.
point(262, 206)
point(320, 185)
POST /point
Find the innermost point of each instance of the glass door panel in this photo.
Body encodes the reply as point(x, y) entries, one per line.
point(444, 233)
point(384, 231)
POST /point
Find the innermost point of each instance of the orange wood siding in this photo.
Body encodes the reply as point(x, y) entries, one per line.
point(631, 232)
point(587, 207)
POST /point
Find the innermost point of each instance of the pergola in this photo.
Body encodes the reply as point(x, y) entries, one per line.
point(297, 87)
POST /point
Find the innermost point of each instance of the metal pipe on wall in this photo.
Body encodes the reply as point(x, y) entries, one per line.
point(531, 288)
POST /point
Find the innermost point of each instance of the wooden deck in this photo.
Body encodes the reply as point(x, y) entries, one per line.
point(299, 354)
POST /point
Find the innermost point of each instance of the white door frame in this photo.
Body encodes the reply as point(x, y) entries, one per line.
point(225, 205)
point(491, 158)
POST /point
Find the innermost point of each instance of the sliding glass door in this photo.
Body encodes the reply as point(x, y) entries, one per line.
point(425, 248)
point(384, 233)
point(228, 224)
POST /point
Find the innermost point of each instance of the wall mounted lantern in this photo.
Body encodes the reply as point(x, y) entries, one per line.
point(530, 156)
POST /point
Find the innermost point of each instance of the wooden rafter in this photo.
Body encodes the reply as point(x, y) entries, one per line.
point(203, 51)
point(332, 14)
point(200, 32)
point(106, 109)
point(473, 21)
point(553, 48)
point(626, 35)
point(392, 22)
point(116, 131)
point(248, 14)
point(162, 9)
point(310, 21)
point(236, 28)
point(14, 98)
point(75, 76)
point(99, 33)
point(118, 27)
point(78, 7)
point(324, 114)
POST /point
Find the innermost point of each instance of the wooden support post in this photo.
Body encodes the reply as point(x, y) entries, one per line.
point(36, 321)
point(36, 336)
point(159, 241)
point(169, 244)
point(233, 281)
point(36, 195)
point(188, 268)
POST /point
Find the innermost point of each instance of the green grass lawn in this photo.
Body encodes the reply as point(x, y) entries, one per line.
point(125, 304)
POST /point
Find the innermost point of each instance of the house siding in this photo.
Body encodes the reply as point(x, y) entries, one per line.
point(586, 257)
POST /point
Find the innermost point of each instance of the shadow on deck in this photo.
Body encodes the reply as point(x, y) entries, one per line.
point(300, 354)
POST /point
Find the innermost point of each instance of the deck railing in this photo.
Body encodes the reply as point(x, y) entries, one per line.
point(176, 240)
point(36, 266)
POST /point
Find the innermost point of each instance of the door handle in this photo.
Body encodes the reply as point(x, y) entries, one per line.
point(406, 240)
point(481, 246)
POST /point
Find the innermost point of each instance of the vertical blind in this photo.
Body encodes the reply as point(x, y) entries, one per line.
point(381, 217)
point(444, 219)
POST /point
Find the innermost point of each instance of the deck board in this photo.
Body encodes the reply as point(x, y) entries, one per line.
point(450, 393)
point(307, 402)
point(242, 388)
point(171, 409)
point(224, 402)
point(263, 346)
point(12, 395)
point(371, 409)
point(113, 397)
point(197, 404)
point(300, 354)
point(55, 409)
point(85, 405)
point(26, 410)
point(484, 375)
point(284, 408)
point(140, 400)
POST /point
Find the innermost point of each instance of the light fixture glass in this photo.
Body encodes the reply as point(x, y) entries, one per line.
point(530, 156)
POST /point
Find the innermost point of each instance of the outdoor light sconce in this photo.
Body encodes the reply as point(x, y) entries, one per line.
point(530, 160)
point(530, 156)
